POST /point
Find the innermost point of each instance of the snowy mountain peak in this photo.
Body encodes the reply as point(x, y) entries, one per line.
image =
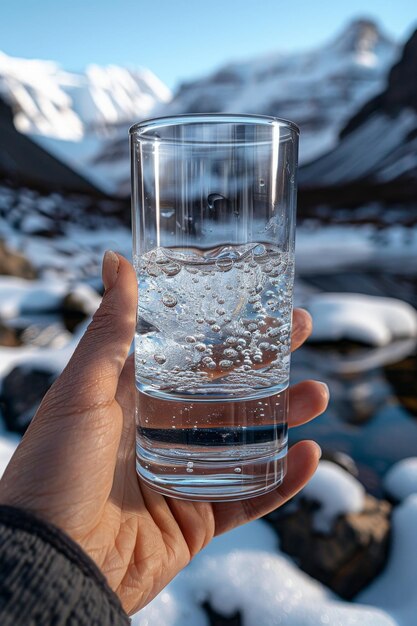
point(48, 101)
point(361, 35)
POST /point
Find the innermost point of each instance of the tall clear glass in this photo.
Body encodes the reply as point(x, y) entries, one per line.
point(213, 209)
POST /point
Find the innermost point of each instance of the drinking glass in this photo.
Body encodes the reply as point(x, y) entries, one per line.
point(213, 211)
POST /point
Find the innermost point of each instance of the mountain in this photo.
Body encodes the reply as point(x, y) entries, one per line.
point(73, 115)
point(23, 162)
point(377, 149)
point(319, 89)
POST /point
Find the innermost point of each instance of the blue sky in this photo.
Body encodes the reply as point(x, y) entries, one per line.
point(182, 39)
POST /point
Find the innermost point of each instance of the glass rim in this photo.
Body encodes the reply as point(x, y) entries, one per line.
point(207, 118)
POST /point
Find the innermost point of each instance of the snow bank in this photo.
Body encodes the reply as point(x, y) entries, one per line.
point(401, 480)
point(394, 591)
point(18, 295)
point(337, 491)
point(241, 572)
point(370, 319)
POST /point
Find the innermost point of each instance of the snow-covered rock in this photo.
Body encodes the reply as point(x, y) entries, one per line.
point(368, 319)
point(337, 492)
point(401, 479)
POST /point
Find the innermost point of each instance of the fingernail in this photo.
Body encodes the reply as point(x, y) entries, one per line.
point(326, 387)
point(319, 450)
point(110, 269)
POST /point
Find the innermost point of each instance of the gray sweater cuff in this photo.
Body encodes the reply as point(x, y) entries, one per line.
point(47, 580)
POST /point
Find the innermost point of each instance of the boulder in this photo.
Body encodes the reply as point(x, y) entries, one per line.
point(9, 337)
point(348, 557)
point(13, 263)
point(79, 304)
point(21, 393)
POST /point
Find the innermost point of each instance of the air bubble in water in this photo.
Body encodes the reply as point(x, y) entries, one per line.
point(160, 358)
point(190, 339)
point(212, 198)
point(224, 265)
point(221, 311)
point(153, 270)
point(172, 269)
point(167, 212)
point(237, 470)
point(274, 332)
point(169, 300)
point(216, 328)
point(259, 251)
point(230, 353)
point(210, 320)
point(264, 345)
point(200, 347)
point(225, 364)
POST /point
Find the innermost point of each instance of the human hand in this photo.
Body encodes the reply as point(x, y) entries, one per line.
point(75, 466)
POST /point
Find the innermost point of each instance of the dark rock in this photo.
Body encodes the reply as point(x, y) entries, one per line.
point(342, 459)
point(77, 306)
point(22, 390)
point(13, 263)
point(217, 619)
point(402, 376)
point(346, 559)
point(9, 337)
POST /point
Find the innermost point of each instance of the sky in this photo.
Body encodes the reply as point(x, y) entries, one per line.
point(182, 39)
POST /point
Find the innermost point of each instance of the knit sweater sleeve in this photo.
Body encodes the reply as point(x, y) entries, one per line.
point(47, 580)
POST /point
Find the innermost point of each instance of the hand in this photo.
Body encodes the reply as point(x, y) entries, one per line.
point(75, 466)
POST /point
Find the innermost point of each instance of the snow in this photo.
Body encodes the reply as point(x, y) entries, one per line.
point(245, 571)
point(18, 296)
point(67, 105)
point(401, 479)
point(368, 319)
point(8, 444)
point(338, 493)
point(394, 590)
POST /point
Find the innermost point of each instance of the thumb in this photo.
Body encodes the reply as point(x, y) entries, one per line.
point(94, 369)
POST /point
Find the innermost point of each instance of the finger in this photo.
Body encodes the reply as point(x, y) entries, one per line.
point(303, 459)
point(307, 400)
point(302, 326)
point(97, 362)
